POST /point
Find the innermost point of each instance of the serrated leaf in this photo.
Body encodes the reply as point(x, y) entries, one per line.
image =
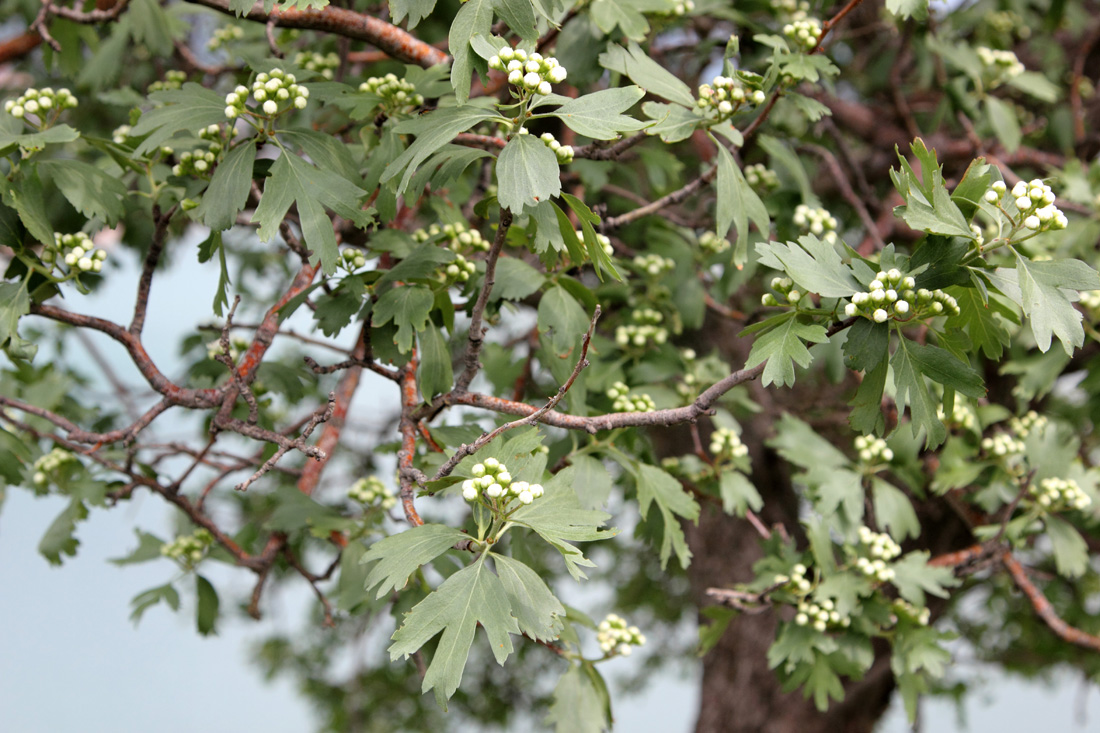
point(800, 444)
point(905, 9)
point(867, 345)
point(148, 549)
point(600, 115)
point(91, 191)
point(1040, 289)
point(578, 706)
point(737, 204)
point(912, 391)
point(783, 346)
point(928, 207)
point(672, 122)
point(786, 158)
point(229, 188)
point(657, 486)
point(399, 555)
point(433, 130)
point(1071, 553)
point(813, 264)
point(36, 141)
point(190, 108)
point(474, 17)
point(562, 319)
point(558, 518)
point(25, 196)
point(823, 684)
point(866, 416)
point(538, 612)
point(470, 597)
point(520, 17)
point(986, 331)
point(15, 302)
point(945, 368)
point(515, 279)
point(146, 599)
point(416, 10)
point(626, 14)
point(913, 577)
point(409, 307)
point(894, 511)
point(436, 371)
point(206, 609)
point(738, 493)
point(527, 173)
point(59, 539)
point(647, 73)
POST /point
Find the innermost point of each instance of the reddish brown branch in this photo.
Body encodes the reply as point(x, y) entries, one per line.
point(1043, 608)
point(408, 476)
point(19, 46)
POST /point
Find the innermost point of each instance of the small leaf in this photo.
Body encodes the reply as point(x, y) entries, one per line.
point(657, 486)
point(148, 549)
point(912, 391)
point(206, 612)
point(671, 121)
point(229, 188)
point(59, 538)
point(812, 263)
point(782, 347)
point(399, 555)
point(409, 307)
point(189, 108)
point(647, 73)
point(537, 611)
point(599, 115)
point(1071, 554)
point(1002, 118)
point(894, 511)
point(145, 600)
point(515, 279)
point(436, 371)
point(527, 173)
point(913, 577)
point(737, 204)
point(738, 493)
point(91, 191)
point(578, 706)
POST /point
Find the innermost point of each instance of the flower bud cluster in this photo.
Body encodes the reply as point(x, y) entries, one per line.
point(532, 73)
point(720, 99)
point(683, 8)
point(76, 250)
point(616, 637)
point(564, 153)
point(195, 164)
point(902, 608)
point(790, 295)
point(39, 102)
point(792, 9)
point(805, 32)
point(821, 615)
point(797, 582)
point(884, 301)
point(173, 79)
point(188, 549)
point(223, 36)
point(998, 66)
point(276, 93)
point(1059, 494)
point(625, 402)
point(458, 271)
point(602, 239)
point(120, 133)
point(1035, 200)
point(397, 94)
point(880, 549)
point(818, 222)
point(1026, 423)
point(458, 237)
point(654, 265)
point(1090, 299)
point(237, 345)
point(492, 480)
point(712, 244)
point(1002, 445)
point(644, 331)
point(51, 463)
point(371, 490)
point(961, 416)
point(726, 443)
point(324, 64)
point(353, 258)
point(873, 450)
point(762, 178)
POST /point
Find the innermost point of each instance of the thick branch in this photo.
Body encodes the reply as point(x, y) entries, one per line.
point(1043, 608)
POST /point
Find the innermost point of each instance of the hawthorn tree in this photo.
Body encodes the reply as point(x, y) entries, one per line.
point(798, 294)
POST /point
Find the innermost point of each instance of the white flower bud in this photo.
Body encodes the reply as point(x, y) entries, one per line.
point(880, 316)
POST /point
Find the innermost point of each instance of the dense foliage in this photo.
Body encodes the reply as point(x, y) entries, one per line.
point(800, 295)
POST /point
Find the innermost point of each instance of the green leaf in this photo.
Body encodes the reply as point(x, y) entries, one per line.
point(592, 481)
point(189, 108)
point(409, 307)
point(894, 511)
point(295, 510)
point(399, 555)
point(292, 180)
point(867, 345)
point(25, 196)
point(59, 539)
point(229, 188)
point(835, 489)
point(421, 264)
point(913, 577)
point(600, 115)
point(800, 444)
point(527, 173)
point(515, 279)
point(626, 14)
point(151, 27)
point(782, 155)
point(647, 73)
point(1037, 85)
point(474, 17)
point(36, 141)
point(91, 191)
point(15, 302)
point(537, 611)
point(433, 130)
point(148, 549)
point(672, 121)
point(578, 705)
point(562, 319)
point(1071, 554)
point(1002, 118)
point(147, 599)
point(416, 10)
point(912, 391)
point(812, 263)
point(1040, 289)
point(657, 486)
point(520, 17)
point(986, 331)
point(823, 684)
point(738, 493)
point(929, 207)
point(558, 518)
point(783, 346)
point(206, 611)
point(737, 204)
point(436, 371)
point(945, 368)
point(470, 597)
point(207, 248)
point(905, 9)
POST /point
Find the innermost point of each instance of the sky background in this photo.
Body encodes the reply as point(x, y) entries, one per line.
point(71, 660)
